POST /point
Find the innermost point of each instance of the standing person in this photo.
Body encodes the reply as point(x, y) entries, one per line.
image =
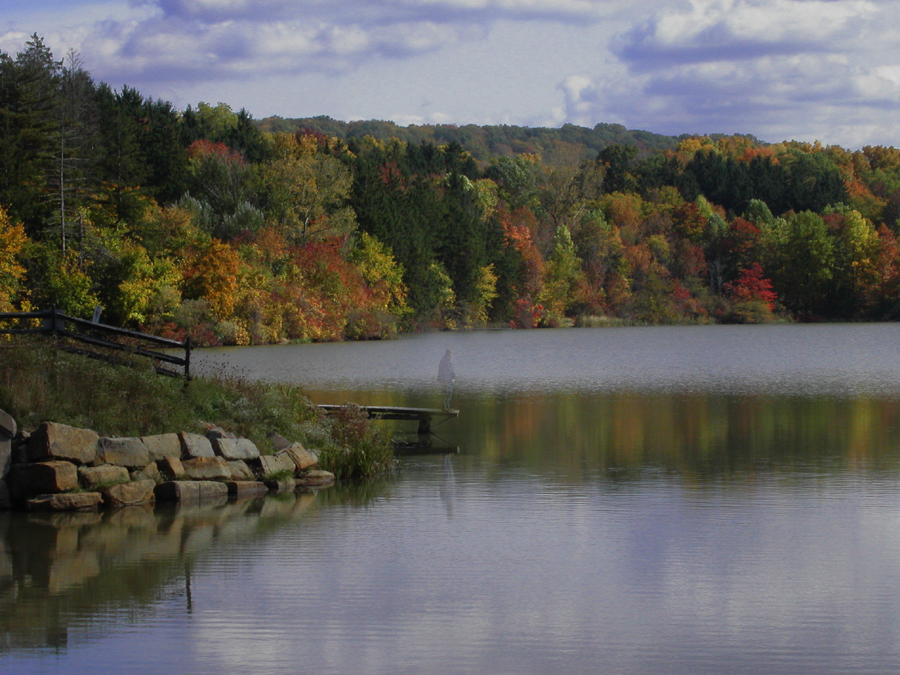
point(446, 376)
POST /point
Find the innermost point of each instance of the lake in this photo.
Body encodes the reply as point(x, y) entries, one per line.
point(710, 499)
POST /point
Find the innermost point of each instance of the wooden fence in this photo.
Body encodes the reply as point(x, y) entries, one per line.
point(108, 343)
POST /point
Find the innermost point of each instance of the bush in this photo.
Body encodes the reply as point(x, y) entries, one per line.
point(358, 449)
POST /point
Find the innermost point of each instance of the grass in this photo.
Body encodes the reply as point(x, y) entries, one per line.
point(40, 383)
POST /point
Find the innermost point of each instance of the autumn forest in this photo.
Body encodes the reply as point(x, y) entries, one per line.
point(208, 223)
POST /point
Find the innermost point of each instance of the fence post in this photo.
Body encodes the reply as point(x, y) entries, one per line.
point(187, 359)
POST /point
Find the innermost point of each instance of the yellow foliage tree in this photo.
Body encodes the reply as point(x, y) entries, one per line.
point(12, 241)
point(213, 275)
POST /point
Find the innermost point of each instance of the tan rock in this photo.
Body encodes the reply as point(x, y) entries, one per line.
point(129, 494)
point(302, 458)
point(29, 480)
point(52, 441)
point(279, 442)
point(187, 490)
point(93, 476)
point(65, 502)
point(281, 485)
point(170, 467)
point(214, 432)
point(195, 445)
point(269, 464)
point(7, 432)
point(7, 424)
point(316, 478)
point(162, 446)
point(149, 472)
point(207, 468)
point(243, 488)
point(235, 448)
point(240, 471)
point(128, 452)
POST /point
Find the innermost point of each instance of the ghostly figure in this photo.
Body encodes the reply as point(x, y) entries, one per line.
point(445, 376)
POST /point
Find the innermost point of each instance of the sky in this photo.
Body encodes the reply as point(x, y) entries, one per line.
point(826, 70)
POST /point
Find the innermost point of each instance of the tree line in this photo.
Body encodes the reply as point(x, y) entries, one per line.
point(236, 231)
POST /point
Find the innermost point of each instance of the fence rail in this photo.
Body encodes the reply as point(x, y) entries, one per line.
point(99, 335)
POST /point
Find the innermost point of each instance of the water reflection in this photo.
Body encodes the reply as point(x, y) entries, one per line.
point(79, 572)
point(698, 437)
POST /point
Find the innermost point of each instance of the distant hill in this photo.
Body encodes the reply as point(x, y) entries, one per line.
point(555, 146)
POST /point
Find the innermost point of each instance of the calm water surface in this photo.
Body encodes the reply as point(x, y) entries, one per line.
point(648, 500)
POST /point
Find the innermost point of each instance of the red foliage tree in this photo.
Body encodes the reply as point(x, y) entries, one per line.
point(751, 285)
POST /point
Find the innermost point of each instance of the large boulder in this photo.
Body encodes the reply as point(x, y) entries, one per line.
point(281, 485)
point(127, 452)
point(246, 488)
point(207, 468)
point(149, 472)
point(188, 490)
point(129, 494)
point(7, 424)
point(302, 458)
point(235, 448)
point(163, 445)
point(65, 502)
point(53, 441)
point(279, 442)
point(214, 432)
point(195, 445)
point(171, 468)
point(7, 433)
point(29, 480)
point(240, 471)
point(275, 464)
point(316, 478)
point(92, 477)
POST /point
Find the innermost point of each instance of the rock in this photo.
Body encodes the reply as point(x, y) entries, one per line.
point(20, 447)
point(5, 456)
point(65, 502)
point(235, 448)
point(281, 485)
point(52, 441)
point(195, 445)
point(187, 490)
point(243, 488)
point(93, 476)
point(149, 472)
point(170, 467)
point(240, 471)
point(7, 433)
point(129, 494)
point(128, 452)
point(213, 433)
point(280, 463)
point(316, 478)
point(207, 468)
point(29, 480)
point(7, 425)
point(302, 458)
point(279, 442)
point(162, 446)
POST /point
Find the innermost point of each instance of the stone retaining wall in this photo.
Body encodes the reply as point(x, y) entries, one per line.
point(58, 467)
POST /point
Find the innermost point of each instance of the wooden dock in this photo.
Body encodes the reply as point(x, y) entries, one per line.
point(424, 416)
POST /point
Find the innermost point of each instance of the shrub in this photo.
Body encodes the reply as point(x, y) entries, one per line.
point(358, 449)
